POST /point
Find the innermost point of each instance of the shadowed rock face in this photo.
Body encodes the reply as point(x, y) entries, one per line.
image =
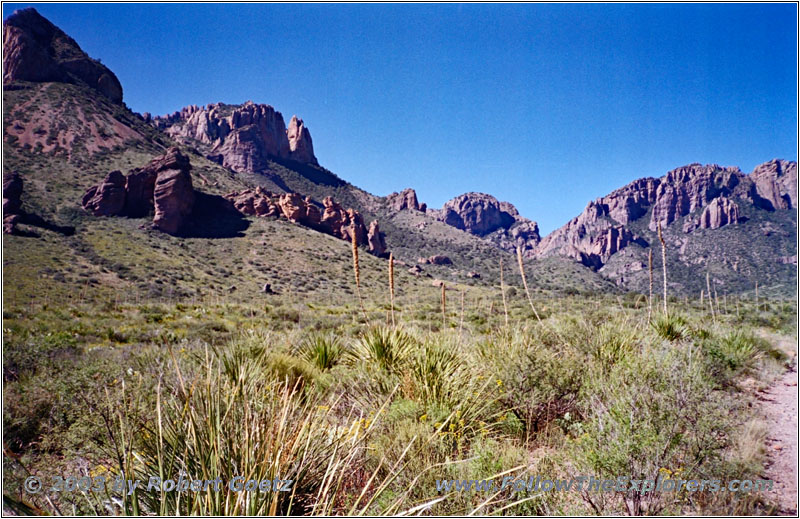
point(705, 194)
point(36, 50)
point(776, 182)
point(242, 138)
point(108, 197)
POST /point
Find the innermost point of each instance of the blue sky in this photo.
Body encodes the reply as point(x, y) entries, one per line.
point(547, 106)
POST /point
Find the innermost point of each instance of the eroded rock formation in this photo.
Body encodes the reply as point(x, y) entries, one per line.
point(704, 196)
point(243, 137)
point(497, 222)
point(36, 50)
point(405, 200)
point(164, 186)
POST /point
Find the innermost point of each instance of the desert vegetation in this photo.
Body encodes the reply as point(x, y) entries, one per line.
point(365, 415)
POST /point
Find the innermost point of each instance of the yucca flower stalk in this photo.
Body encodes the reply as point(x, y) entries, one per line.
point(650, 271)
point(525, 282)
point(391, 284)
point(503, 293)
point(710, 301)
point(444, 306)
point(663, 264)
point(357, 271)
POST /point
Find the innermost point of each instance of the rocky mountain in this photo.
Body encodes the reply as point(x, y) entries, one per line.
point(36, 50)
point(497, 222)
point(225, 178)
point(710, 214)
point(242, 138)
point(705, 196)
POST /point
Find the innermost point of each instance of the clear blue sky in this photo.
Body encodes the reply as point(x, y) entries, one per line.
point(546, 106)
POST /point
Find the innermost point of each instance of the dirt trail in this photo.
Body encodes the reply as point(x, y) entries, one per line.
point(779, 406)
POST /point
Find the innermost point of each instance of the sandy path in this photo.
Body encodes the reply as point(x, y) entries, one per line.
point(779, 405)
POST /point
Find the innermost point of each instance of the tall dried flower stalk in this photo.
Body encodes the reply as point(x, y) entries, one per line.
point(710, 301)
point(357, 272)
point(663, 264)
point(650, 270)
point(503, 293)
point(461, 323)
point(444, 306)
point(525, 282)
point(391, 284)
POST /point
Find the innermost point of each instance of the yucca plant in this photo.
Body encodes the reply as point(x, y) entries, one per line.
point(323, 351)
point(232, 420)
point(387, 348)
point(670, 327)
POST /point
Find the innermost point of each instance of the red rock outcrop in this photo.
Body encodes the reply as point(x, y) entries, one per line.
point(476, 213)
point(301, 148)
point(375, 241)
point(12, 193)
point(12, 202)
point(163, 185)
point(437, 259)
point(343, 223)
point(721, 211)
point(688, 188)
point(497, 222)
point(776, 182)
point(703, 195)
point(242, 138)
point(108, 197)
point(173, 195)
point(36, 50)
point(589, 238)
point(404, 200)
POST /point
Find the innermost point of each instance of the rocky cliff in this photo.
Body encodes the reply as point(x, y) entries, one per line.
point(495, 221)
point(243, 137)
point(705, 197)
point(36, 50)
